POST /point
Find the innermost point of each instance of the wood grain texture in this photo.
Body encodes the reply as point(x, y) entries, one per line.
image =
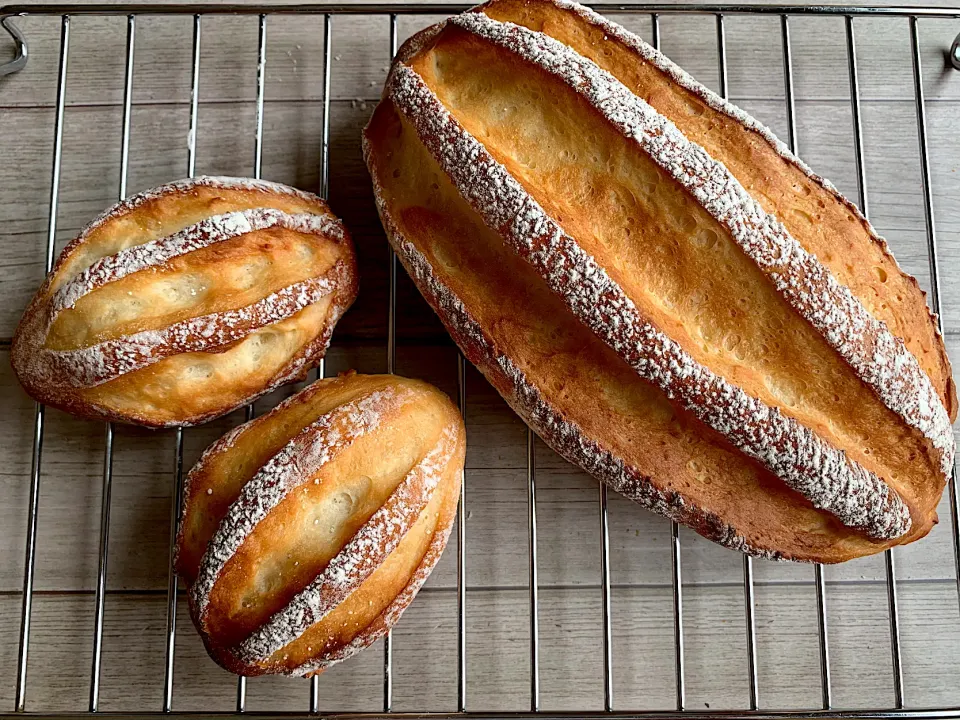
point(498, 637)
point(292, 131)
point(294, 60)
point(497, 552)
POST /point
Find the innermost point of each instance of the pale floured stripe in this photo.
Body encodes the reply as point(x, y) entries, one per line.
point(358, 559)
point(878, 357)
point(800, 457)
point(682, 78)
point(182, 187)
point(208, 231)
point(392, 613)
point(294, 465)
point(525, 397)
point(97, 364)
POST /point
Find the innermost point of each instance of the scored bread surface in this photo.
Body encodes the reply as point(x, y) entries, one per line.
point(821, 219)
point(766, 375)
point(186, 301)
point(882, 362)
point(801, 458)
point(306, 532)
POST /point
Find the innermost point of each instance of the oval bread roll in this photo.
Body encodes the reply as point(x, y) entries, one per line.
point(307, 532)
point(668, 296)
point(186, 302)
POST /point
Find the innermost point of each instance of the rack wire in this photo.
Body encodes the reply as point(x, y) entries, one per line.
point(391, 12)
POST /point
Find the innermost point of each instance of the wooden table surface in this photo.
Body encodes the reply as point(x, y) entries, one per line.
point(425, 651)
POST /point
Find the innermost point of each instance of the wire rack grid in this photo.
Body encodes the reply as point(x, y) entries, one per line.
point(390, 13)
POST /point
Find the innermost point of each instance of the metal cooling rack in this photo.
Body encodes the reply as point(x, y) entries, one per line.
point(330, 11)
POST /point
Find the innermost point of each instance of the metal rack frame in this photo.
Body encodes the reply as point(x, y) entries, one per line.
point(330, 11)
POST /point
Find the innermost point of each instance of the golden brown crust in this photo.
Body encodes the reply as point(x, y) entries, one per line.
point(524, 344)
point(580, 398)
point(825, 223)
point(308, 530)
point(187, 301)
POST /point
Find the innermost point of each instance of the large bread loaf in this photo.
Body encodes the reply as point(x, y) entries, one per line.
point(668, 296)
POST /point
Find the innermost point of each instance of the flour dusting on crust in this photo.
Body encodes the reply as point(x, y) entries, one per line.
point(180, 187)
point(64, 378)
point(223, 444)
point(685, 80)
point(529, 402)
point(208, 231)
point(800, 457)
point(358, 559)
point(391, 615)
point(878, 357)
point(294, 465)
point(97, 364)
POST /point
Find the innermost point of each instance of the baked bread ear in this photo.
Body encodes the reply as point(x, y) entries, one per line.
point(186, 302)
point(307, 532)
point(633, 299)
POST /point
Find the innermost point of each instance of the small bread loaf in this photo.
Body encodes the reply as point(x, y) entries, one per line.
point(307, 532)
point(667, 295)
point(186, 302)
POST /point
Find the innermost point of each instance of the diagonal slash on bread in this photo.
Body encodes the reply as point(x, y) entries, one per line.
point(186, 301)
point(306, 532)
point(628, 293)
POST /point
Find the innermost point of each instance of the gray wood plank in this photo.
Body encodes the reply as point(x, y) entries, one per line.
point(225, 146)
point(498, 661)
point(497, 547)
point(360, 57)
